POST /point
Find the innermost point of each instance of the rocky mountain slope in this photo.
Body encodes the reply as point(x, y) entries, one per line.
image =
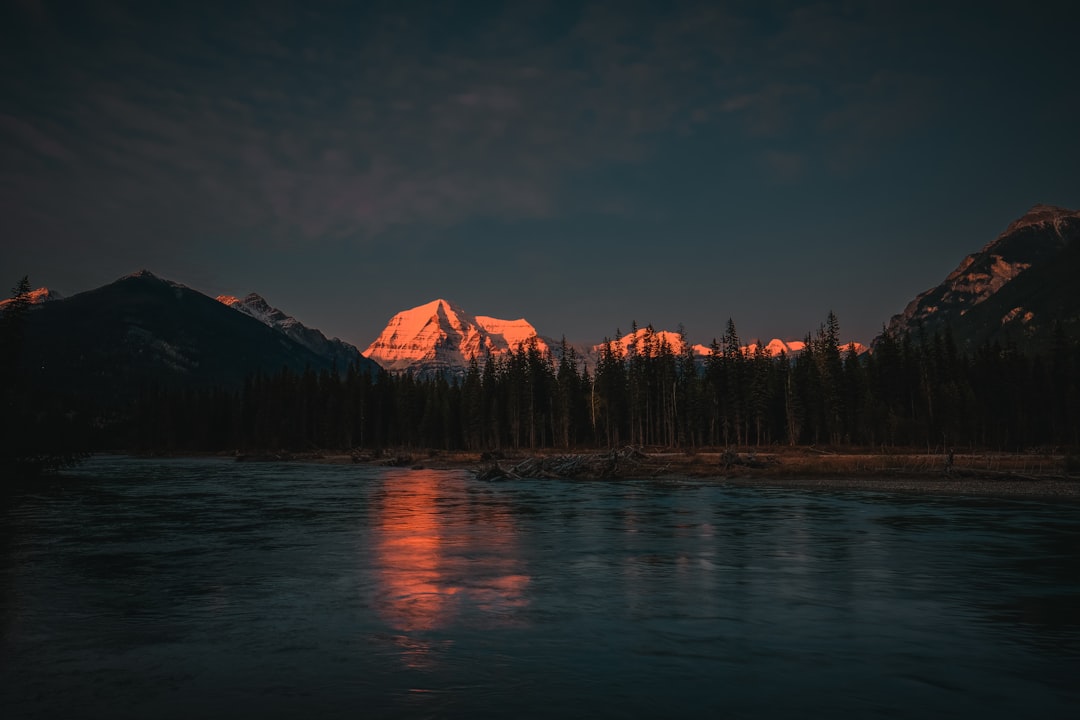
point(141, 331)
point(337, 351)
point(1015, 289)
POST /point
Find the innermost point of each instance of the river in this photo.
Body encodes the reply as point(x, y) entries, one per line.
point(208, 588)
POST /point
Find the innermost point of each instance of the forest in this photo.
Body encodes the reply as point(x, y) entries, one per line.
point(918, 392)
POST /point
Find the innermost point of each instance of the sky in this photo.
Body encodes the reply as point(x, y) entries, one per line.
point(583, 165)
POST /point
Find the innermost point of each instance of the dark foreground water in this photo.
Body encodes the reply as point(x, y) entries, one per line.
point(206, 588)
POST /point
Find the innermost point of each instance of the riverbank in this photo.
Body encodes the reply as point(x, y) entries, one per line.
point(964, 473)
point(970, 473)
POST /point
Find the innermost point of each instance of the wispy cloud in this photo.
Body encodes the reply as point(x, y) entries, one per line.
point(350, 140)
point(299, 123)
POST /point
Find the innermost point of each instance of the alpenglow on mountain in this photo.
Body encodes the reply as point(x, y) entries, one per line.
point(675, 342)
point(339, 352)
point(441, 337)
point(35, 297)
point(1016, 289)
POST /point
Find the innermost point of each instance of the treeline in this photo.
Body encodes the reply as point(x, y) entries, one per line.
point(911, 391)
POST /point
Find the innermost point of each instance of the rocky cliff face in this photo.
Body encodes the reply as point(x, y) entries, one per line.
point(441, 337)
point(1015, 289)
point(341, 353)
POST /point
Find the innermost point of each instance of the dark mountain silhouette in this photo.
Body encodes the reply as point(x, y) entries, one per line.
point(1018, 288)
point(109, 344)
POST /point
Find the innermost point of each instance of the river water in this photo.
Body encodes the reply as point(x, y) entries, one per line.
point(208, 588)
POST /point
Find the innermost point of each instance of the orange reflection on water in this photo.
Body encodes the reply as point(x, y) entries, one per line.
point(440, 555)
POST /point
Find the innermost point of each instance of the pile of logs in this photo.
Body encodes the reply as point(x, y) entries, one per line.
point(617, 463)
point(729, 460)
point(628, 462)
point(395, 461)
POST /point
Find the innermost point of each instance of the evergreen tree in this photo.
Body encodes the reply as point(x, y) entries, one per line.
point(733, 386)
point(41, 430)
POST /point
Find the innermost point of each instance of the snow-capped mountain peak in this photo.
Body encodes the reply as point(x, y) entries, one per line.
point(440, 336)
point(776, 346)
point(437, 316)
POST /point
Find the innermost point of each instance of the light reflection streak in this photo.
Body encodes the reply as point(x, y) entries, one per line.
point(443, 559)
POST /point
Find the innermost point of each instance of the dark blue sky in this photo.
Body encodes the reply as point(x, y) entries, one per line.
point(583, 167)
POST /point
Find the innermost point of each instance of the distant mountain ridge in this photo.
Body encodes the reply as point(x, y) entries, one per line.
point(1015, 289)
point(338, 351)
point(676, 342)
point(441, 337)
point(1019, 288)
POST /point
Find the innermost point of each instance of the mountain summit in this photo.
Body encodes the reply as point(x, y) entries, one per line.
point(1039, 214)
point(441, 337)
point(1016, 288)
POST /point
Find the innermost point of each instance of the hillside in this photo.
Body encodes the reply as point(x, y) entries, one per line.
point(1016, 289)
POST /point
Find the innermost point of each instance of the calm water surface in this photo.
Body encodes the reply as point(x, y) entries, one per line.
point(180, 588)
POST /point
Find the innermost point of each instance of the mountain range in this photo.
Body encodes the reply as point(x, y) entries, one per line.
point(441, 337)
point(675, 341)
point(1019, 288)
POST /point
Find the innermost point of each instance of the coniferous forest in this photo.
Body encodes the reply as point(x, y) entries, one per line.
point(39, 429)
point(909, 392)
